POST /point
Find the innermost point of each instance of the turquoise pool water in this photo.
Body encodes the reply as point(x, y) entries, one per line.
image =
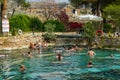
point(72, 66)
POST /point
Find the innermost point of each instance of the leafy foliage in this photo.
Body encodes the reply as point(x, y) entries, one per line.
point(36, 24)
point(63, 17)
point(89, 32)
point(23, 3)
point(75, 25)
point(19, 22)
point(49, 36)
point(114, 12)
point(26, 5)
point(49, 28)
point(107, 27)
point(59, 26)
point(77, 3)
point(97, 5)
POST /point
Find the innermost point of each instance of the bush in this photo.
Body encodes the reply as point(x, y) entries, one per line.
point(59, 26)
point(36, 24)
point(89, 32)
point(19, 21)
point(49, 36)
point(107, 28)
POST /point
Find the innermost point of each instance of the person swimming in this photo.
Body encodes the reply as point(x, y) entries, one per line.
point(90, 65)
point(29, 55)
point(111, 55)
point(59, 55)
point(91, 53)
point(22, 68)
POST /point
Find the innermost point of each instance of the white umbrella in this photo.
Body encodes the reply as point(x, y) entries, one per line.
point(89, 17)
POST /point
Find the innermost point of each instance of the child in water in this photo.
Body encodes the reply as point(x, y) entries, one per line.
point(22, 68)
point(29, 55)
point(59, 55)
point(90, 64)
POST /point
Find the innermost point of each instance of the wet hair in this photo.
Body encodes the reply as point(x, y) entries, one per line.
point(90, 49)
point(21, 66)
point(90, 62)
point(29, 52)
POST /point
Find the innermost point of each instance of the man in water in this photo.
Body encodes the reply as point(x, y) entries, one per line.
point(91, 53)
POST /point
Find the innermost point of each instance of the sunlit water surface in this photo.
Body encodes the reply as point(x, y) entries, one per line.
point(72, 67)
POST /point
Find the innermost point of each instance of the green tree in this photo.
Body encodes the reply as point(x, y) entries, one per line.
point(97, 5)
point(50, 28)
point(26, 5)
point(77, 3)
point(107, 27)
point(36, 24)
point(19, 22)
point(49, 35)
point(114, 13)
point(89, 32)
point(23, 3)
point(59, 25)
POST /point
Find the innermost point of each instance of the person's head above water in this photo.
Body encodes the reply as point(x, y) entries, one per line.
point(111, 55)
point(22, 68)
point(90, 49)
point(90, 63)
point(29, 52)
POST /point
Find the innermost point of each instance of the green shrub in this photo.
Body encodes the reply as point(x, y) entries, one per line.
point(49, 35)
point(89, 32)
point(36, 24)
point(107, 28)
point(19, 21)
point(59, 26)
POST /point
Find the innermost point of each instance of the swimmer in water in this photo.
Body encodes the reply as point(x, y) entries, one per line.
point(90, 64)
point(22, 68)
point(29, 55)
point(111, 55)
point(91, 53)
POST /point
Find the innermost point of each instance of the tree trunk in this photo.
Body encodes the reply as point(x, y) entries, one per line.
point(4, 8)
point(0, 19)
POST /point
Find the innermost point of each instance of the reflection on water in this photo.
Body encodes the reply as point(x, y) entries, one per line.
point(72, 66)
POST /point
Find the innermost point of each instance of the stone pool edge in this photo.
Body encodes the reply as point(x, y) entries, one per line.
point(13, 48)
point(25, 47)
